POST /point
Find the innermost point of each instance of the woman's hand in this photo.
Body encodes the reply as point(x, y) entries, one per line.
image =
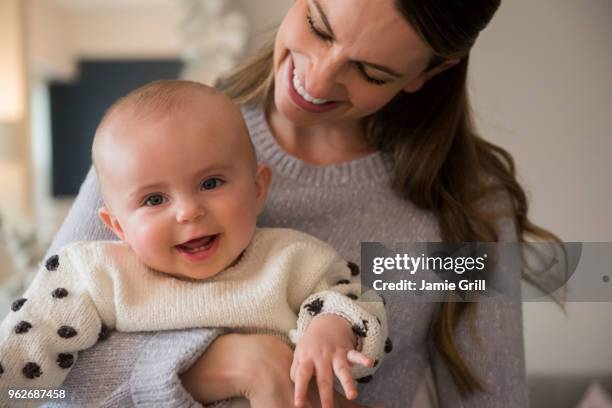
point(253, 366)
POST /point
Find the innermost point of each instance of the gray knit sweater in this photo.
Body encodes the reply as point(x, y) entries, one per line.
point(343, 205)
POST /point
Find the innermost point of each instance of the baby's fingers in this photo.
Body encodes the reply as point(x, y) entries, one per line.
point(303, 373)
point(343, 372)
point(325, 383)
point(355, 357)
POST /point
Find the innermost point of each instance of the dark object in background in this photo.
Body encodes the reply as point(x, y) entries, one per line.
point(76, 109)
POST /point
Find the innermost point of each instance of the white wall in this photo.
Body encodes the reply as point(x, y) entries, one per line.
point(542, 89)
point(12, 78)
point(49, 42)
point(62, 31)
point(116, 32)
point(14, 143)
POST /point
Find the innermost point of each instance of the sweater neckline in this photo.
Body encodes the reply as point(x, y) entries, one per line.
point(370, 169)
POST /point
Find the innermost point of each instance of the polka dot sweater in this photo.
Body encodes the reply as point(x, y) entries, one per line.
point(281, 282)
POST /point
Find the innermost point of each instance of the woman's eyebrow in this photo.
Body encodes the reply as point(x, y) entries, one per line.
point(333, 37)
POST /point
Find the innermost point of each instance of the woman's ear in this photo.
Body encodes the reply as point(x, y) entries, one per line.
point(111, 222)
point(425, 76)
point(263, 177)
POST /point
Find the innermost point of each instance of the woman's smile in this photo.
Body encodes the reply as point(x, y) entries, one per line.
point(301, 97)
point(297, 84)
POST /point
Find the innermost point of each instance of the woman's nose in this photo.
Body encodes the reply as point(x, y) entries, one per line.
point(189, 210)
point(322, 76)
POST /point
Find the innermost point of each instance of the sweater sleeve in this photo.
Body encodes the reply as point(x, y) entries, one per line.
point(55, 319)
point(339, 293)
point(108, 372)
point(82, 222)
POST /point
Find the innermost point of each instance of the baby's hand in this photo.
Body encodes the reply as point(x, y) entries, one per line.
point(327, 348)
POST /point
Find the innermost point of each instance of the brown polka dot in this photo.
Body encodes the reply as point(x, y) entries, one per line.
point(66, 332)
point(343, 282)
point(104, 333)
point(388, 345)
point(314, 307)
point(65, 360)
point(23, 327)
point(354, 268)
point(52, 263)
point(18, 304)
point(359, 331)
point(31, 370)
point(59, 293)
point(364, 380)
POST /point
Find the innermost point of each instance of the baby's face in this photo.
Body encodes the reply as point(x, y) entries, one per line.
point(183, 190)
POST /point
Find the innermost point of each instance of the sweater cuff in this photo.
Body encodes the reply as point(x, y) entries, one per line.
point(155, 379)
point(369, 328)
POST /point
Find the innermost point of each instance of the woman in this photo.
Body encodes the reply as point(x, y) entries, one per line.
point(360, 108)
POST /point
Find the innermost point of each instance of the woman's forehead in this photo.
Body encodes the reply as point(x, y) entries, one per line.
point(374, 31)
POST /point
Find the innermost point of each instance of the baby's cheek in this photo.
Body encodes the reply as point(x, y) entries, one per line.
point(151, 241)
point(241, 219)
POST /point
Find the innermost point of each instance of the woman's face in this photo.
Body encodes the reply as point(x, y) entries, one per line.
point(342, 60)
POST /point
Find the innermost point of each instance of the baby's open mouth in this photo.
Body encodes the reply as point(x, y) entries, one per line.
point(198, 244)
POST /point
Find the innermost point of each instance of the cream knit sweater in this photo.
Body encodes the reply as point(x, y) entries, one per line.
point(282, 280)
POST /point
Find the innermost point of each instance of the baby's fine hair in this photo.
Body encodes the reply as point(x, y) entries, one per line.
point(162, 96)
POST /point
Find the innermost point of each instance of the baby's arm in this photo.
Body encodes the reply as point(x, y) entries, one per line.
point(39, 338)
point(338, 326)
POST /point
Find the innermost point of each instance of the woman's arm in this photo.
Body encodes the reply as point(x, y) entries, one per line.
point(128, 369)
point(82, 222)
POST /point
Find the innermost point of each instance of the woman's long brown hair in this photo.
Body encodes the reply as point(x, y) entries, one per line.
point(440, 162)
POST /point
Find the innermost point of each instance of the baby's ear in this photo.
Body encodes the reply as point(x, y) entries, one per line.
point(111, 222)
point(263, 177)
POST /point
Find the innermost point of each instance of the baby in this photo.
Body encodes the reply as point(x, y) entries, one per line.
point(182, 191)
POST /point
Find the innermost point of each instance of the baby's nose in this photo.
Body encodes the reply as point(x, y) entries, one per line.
point(189, 210)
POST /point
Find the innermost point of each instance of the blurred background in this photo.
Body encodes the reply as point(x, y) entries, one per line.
point(541, 87)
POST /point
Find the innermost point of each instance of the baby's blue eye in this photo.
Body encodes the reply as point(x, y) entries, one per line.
point(211, 183)
point(154, 200)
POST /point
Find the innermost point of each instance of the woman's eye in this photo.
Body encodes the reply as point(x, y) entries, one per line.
point(154, 200)
point(374, 80)
point(368, 78)
point(211, 183)
point(315, 30)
